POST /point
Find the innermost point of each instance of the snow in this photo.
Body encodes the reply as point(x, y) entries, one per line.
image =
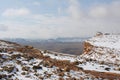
point(91, 65)
point(110, 41)
point(6, 45)
point(98, 67)
point(61, 56)
point(30, 74)
point(106, 48)
point(27, 64)
point(105, 53)
point(104, 57)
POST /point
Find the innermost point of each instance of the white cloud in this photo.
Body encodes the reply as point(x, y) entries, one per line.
point(59, 11)
point(36, 3)
point(114, 9)
point(74, 9)
point(15, 12)
point(80, 23)
point(106, 11)
point(104, 18)
point(3, 27)
point(98, 12)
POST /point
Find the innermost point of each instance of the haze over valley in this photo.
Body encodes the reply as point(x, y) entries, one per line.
point(72, 46)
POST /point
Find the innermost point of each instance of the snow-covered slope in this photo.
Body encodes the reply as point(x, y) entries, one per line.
point(22, 65)
point(100, 61)
point(110, 41)
point(103, 48)
point(102, 53)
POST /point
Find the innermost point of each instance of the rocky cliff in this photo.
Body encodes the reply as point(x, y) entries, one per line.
point(104, 47)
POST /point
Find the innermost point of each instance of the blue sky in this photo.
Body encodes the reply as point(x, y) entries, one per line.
point(44, 19)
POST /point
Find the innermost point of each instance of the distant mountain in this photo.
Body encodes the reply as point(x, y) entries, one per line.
point(75, 39)
point(22, 40)
point(64, 45)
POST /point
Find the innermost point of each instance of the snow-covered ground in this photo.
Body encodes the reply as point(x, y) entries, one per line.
point(18, 66)
point(105, 51)
point(111, 41)
point(60, 56)
point(95, 66)
point(104, 57)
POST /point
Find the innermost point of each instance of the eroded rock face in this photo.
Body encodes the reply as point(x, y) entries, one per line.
point(87, 47)
point(103, 47)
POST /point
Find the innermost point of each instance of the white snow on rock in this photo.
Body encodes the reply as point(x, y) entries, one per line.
point(104, 55)
point(111, 41)
point(60, 56)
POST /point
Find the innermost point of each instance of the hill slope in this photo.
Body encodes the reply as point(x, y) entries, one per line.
point(98, 62)
point(27, 63)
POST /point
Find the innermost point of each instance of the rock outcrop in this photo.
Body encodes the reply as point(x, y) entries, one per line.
point(87, 47)
point(105, 47)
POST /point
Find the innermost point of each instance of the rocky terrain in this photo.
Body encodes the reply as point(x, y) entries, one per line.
point(100, 61)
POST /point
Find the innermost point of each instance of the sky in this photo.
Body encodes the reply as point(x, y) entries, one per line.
point(46, 19)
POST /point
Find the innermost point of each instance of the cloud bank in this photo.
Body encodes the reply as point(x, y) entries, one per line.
point(15, 12)
point(75, 22)
point(3, 27)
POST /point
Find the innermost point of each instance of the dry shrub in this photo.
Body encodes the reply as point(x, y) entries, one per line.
point(37, 67)
point(66, 69)
point(3, 76)
point(29, 47)
point(76, 63)
point(107, 68)
point(23, 73)
point(14, 56)
point(25, 68)
point(61, 78)
point(61, 74)
point(104, 75)
point(8, 69)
